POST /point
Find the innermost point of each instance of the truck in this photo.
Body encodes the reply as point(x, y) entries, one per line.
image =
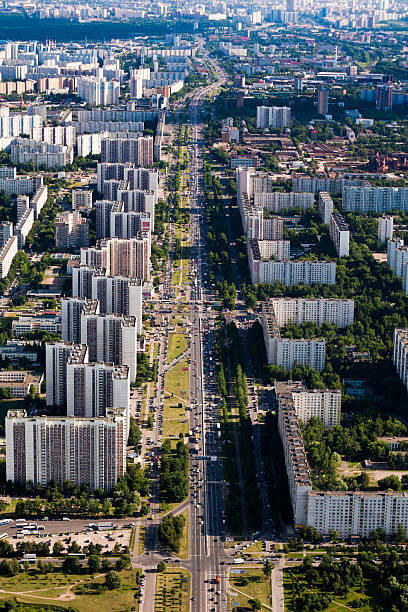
point(105, 526)
point(239, 561)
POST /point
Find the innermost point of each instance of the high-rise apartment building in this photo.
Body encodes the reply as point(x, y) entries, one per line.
point(276, 117)
point(138, 150)
point(23, 204)
point(290, 272)
point(325, 207)
point(81, 199)
point(316, 310)
point(98, 92)
point(385, 229)
point(366, 199)
point(400, 355)
point(397, 259)
point(286, 351)
point(7, 253)
point(92, 388)
point(340, 235)
point(384, 97)
point(57, 355)
point(323, 101)
point(110, 338)
point(6, 232)
point(85, 451)
point(119, 257)
point(115, 294)
point(71, 230)
point(134, 178)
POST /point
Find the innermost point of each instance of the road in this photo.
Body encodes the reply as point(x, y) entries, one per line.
point(207, 555)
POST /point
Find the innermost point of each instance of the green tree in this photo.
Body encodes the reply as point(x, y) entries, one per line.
point(112, 580)
point(57, 548)
point(94, 564)
point(161, 566)
point(267, 568)
point(255, 604)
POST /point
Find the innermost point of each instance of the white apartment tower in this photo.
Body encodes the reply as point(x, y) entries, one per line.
point(385, 229)
point(273, 116)
point(340, 235)
point(89, 451)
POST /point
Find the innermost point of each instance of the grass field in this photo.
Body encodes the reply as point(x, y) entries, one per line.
point(255, 547)
point(171, 592)
point(258, 587)
point(176, 346)
point(142, 540)
point(183, 552)
point(176, 392)
point(84, 592)
point(175, 281)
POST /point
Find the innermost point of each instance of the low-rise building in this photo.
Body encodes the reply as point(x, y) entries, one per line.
point(20, 382)
point(25, 324)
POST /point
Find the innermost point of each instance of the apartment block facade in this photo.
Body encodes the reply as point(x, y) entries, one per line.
point(86, 451)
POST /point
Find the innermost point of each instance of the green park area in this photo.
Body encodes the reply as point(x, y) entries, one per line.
point(83, 592)
point(252, 585)
point(303, 595)
point(172, 591)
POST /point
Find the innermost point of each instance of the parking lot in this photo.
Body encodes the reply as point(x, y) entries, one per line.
point(106, 539)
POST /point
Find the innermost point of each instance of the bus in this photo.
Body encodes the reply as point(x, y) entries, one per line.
point(3, 535)
point(20, 522)
point(5, 521)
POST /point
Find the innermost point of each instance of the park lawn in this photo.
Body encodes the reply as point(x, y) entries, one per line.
point(132, 539)
point(10, 508)
point(258, 587)
point(175, 281)
point(231, 544)
point(176, 346)
point(29, 581)
point(255, 547)
point(183, 552)
point(177, 384)
point(174, 420)
point(169, 586)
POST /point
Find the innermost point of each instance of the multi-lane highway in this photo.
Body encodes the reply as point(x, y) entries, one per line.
point(207, 556)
